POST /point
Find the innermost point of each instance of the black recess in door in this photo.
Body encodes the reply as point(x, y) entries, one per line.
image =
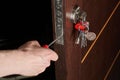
point(22, 21)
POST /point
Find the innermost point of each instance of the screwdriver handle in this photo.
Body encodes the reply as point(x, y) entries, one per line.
point(45, 46)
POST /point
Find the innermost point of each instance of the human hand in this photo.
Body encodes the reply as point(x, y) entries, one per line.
point(35, 59)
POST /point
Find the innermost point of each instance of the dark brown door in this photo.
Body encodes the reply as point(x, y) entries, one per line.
point(100, 59)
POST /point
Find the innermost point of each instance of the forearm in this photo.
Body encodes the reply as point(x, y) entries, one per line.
point(8, 63)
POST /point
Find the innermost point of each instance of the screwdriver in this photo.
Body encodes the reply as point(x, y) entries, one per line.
point(47, 46)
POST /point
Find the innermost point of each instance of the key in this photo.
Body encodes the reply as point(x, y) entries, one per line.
point(86, 24)
point(77, 41)
point(83, 40)
point(79, 27)
point(83, 37)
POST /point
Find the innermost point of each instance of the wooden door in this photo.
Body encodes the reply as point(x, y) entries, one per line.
point(100, 60)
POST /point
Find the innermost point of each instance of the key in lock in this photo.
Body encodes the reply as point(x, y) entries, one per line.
point(77, 14)
point(78, 18)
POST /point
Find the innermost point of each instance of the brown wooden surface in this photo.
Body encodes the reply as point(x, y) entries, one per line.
point(107, 46)
point(98, 61)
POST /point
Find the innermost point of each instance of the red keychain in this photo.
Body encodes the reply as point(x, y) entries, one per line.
point(45, 46)
point(83, 26)
point(79, 26)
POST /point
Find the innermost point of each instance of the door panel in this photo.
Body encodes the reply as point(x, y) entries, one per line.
point(106, 46)
point(94, 61)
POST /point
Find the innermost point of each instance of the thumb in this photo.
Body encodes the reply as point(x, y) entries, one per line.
point(52, 55)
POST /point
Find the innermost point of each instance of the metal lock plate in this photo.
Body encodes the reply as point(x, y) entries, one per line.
point(58, 11)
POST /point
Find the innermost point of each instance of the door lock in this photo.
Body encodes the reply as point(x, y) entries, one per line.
point(77, 14)
point(78, 18)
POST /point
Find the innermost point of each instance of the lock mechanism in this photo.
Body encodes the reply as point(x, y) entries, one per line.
point(78, 18)
point(77, 14)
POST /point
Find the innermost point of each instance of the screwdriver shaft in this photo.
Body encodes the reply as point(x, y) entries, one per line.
point(55, 40)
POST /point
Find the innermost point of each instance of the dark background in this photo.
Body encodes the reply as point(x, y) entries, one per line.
point(22, 21)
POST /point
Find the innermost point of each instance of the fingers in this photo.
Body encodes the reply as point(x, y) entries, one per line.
point(51, 55)
point(30, 45)
point(35, 48)
point(34, 43)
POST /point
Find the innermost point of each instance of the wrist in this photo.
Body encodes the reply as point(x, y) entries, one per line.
point(9, 62)
point(17, 61)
